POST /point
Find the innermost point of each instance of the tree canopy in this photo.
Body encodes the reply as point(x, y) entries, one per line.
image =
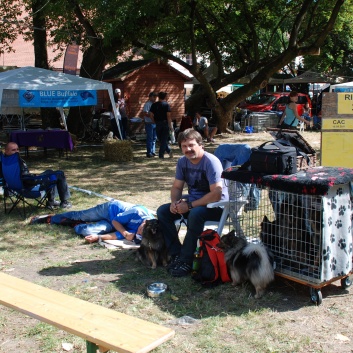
point(244, 39)
point(252, 39)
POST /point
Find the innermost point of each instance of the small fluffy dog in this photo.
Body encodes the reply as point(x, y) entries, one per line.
point(247, 262)
point(152, 250)
point(301, 126)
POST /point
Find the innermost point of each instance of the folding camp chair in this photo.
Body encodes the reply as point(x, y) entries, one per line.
point(17, 192)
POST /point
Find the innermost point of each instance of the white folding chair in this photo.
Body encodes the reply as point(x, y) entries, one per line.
point(218, 226)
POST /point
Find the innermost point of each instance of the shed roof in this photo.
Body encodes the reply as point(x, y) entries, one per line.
point(124, 69)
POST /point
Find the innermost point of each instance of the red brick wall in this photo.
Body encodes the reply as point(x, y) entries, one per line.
point(153, 77)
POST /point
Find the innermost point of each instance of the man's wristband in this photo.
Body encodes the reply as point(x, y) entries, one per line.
point(190, 205)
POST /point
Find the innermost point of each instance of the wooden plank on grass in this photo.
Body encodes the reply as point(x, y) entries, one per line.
point(104, 327)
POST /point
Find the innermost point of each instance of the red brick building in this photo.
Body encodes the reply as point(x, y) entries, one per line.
point(138, 78)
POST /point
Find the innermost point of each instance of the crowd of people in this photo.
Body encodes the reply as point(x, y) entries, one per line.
point(117, 220)
point(158, 123)
point(198, 169)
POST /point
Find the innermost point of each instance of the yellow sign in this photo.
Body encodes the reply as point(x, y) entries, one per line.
point(345, 103)
point(336, 149)
point(337, 124)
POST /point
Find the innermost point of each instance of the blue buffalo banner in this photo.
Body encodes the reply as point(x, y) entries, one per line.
point(57, 98)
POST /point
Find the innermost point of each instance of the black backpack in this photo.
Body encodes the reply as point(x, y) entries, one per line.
point(209, 267)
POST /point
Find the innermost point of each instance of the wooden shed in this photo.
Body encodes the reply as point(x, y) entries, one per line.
point(137, 79)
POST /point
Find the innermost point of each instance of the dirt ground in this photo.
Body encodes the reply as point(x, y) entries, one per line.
point(287, 320)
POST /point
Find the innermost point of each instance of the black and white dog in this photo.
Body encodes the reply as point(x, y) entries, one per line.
point(247, 262)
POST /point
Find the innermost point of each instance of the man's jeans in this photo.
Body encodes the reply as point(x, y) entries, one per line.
point(162, 131)
point(196, 218)
point(151, 137)
point(98, 214)
point(61, 185)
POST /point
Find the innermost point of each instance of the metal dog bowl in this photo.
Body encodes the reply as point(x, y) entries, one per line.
point(155, 290)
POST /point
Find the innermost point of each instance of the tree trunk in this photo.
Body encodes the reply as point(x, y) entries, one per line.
point(80, 118)
point(39, 36)
point(223, 116)
point(50, 116)
point(195, 101)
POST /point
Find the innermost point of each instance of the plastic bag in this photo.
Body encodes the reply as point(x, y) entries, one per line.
point(172, 136)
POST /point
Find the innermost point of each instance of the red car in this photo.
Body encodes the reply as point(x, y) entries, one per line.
point(274, 101)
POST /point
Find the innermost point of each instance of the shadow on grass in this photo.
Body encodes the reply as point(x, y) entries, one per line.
point(185, 296)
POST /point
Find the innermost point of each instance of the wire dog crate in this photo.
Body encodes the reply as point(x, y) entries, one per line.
point(308, 228)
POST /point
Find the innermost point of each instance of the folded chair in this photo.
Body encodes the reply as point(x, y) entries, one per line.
point(17, 193)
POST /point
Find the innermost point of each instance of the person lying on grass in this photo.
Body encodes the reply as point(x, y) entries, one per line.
point(108, 221)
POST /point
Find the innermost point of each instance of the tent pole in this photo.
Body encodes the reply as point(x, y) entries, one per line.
point(116, 113)
point(63, 117)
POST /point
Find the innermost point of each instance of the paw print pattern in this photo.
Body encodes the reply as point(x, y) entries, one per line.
point(332, 238)
point(342, 244)
point(338, 224)
point(333, 203)
point(327, 253)
point(333, 264)
point(350, 248)
point(339, 192)
point(342, 210)
point(329, 221)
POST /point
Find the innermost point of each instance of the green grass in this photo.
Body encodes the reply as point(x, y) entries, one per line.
point(229, 319)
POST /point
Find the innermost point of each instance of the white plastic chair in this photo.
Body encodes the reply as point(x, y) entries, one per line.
point(218, 226)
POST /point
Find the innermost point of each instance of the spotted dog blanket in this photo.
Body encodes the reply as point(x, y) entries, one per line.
point(313, 181)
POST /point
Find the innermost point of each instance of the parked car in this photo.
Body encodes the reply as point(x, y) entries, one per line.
point(274, 101)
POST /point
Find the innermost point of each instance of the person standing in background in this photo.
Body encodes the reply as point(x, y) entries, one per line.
point(290, 117)
point(160, 114)
point(121, 106)
point(150, 127)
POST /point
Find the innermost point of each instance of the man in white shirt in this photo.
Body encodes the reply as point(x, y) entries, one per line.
point(201, 125)
point(150, 127)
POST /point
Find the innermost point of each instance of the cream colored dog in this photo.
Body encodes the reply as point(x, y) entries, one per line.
point(301, 126)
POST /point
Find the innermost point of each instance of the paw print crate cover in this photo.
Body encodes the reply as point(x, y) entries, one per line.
point(332, 188)
point(337, 232)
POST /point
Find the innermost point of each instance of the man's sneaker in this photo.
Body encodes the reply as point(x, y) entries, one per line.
point(182, 269)
point(40, 219)
point(66, 204)
point(53, 203)
point(173, 262)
